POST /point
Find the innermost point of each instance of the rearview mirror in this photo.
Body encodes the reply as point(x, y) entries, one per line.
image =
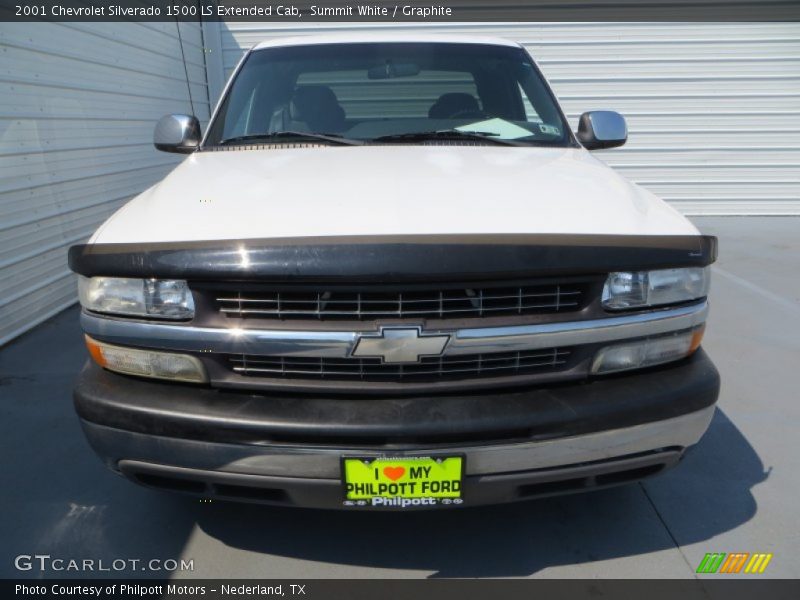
point(391, 69)
point(600, 129)
point(177, 133)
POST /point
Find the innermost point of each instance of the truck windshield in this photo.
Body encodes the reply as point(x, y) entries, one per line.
point(389, 92)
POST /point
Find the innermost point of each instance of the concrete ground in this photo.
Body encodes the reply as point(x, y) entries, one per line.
point(737, 492)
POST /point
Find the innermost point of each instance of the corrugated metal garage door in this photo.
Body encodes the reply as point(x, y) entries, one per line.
point(78, 103)
point(713, 108)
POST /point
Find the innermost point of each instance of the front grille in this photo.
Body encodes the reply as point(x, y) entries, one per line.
point(442, 368)
point(417, 304)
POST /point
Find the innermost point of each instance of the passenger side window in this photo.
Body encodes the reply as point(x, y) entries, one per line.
point(243, 125)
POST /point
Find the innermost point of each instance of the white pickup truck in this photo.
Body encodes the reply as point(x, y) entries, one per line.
point(390, 276)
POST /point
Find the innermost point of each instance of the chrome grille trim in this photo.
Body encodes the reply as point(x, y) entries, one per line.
point(429, 368)
point(332, 344)
point(441, 304)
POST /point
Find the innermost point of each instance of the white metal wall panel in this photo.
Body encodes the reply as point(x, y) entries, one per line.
point(78, 103)
point(713, 108)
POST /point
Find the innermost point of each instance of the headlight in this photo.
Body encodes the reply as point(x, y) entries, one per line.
point(147, 363)
point(155, 298)
point(647, 353)
point(639, 289)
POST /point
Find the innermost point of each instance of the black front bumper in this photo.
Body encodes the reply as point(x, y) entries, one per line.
point(227, 416)
point(209, 441)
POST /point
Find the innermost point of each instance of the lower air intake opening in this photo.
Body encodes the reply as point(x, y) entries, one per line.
point(250, 493)
point(171, 483)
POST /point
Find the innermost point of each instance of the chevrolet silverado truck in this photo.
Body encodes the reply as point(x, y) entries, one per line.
point(389, 276)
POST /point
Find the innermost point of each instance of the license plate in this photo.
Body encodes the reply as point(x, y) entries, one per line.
point(402, 482)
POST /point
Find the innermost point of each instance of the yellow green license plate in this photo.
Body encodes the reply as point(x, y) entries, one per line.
point(402, 482)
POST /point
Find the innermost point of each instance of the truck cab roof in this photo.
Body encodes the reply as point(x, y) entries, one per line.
point(384, 37)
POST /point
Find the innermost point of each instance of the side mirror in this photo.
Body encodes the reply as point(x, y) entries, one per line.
point(602, 129)
point(177, 133)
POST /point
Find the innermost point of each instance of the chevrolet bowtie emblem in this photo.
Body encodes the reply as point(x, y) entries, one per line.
point(400, 345)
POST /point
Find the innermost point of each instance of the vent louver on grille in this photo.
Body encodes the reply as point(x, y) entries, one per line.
point(431, 304)
point(428, 369)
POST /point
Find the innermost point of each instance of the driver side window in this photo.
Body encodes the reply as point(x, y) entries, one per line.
point(530, 113)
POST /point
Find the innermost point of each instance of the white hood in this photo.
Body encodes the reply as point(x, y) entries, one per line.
point(389, 190)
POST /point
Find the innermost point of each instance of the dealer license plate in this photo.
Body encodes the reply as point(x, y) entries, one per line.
point(403, 482)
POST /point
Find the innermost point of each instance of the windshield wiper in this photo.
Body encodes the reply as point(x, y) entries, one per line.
point(294, 135)
point(447, 134)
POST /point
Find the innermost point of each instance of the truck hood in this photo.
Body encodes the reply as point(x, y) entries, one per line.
point(389, 190)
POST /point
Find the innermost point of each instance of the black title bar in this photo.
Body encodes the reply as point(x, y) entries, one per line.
point(707, 588)
point(394, 11)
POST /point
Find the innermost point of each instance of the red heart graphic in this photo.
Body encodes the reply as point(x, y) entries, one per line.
point(394, 473)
